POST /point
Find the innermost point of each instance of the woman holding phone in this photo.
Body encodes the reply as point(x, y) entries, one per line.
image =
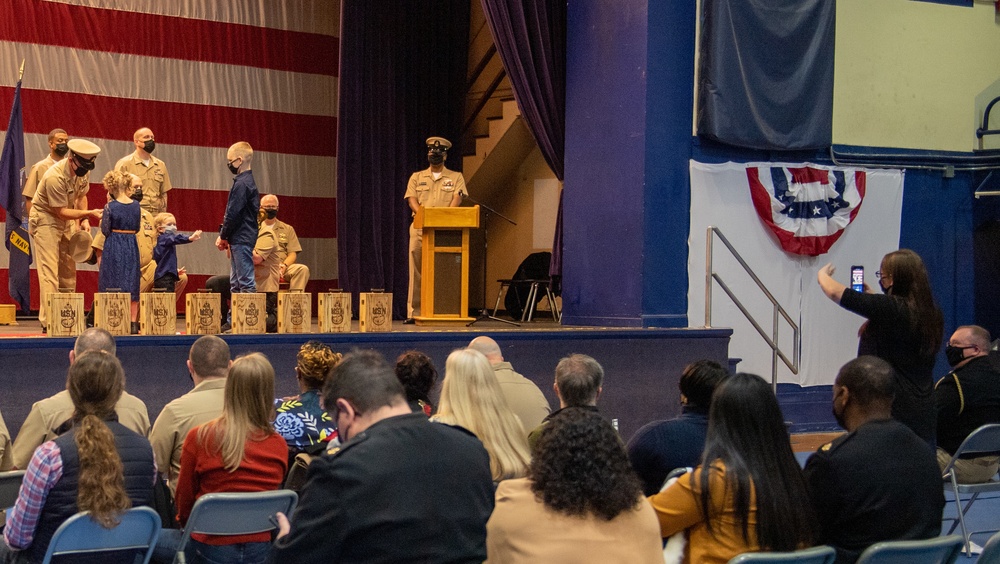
point(904, 328)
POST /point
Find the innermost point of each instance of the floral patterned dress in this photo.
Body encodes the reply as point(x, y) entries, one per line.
point(302, 421)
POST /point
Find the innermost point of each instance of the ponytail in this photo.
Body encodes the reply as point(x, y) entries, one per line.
point(101, 488)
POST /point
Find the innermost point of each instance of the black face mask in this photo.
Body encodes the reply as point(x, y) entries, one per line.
point(61, 149)
point(83, 167)
point(137, 195)
point(885, 289)
point(148, 146)
point(954, 354)
point(271, 214)
point(435, 157)
point(233, 169)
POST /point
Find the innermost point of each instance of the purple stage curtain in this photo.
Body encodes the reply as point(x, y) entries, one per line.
point(402, 80)
point(530, 36)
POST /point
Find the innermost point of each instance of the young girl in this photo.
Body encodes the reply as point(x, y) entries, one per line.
point(165, 253)
point(119, 224)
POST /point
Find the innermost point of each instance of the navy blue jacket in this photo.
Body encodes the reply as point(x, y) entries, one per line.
point(239, 227)
point(661, 446)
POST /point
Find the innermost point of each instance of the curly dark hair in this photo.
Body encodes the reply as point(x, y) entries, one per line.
point(579, 466)
point(416, 372)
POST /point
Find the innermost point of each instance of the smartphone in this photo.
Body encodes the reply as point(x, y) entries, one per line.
point(858, 278)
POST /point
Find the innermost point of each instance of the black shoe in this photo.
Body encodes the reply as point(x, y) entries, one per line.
point(135, 327)
point(409, 321)
point(44, 330)
point(226, 328)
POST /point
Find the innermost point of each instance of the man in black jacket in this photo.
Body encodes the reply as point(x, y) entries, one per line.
point(879, 482)
point(967, 398)
point(400, 488)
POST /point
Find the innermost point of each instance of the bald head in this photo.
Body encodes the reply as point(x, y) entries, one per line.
point(91, 340)
point(489, 348)
point(142, 133)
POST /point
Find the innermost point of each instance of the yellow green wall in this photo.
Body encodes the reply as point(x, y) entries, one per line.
point(914, 75)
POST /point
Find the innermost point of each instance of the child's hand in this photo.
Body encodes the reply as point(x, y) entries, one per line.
point(181, 271)
point(195, 236)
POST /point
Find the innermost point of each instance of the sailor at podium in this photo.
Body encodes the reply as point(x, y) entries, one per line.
point(433, 187)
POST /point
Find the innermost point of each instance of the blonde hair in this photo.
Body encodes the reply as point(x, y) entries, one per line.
point(471, 397)
point(242, 149)
point(161, 219)
point(247, 410)
point(117, 182)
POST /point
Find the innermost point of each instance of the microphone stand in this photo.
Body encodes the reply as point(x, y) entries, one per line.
point(484, 314)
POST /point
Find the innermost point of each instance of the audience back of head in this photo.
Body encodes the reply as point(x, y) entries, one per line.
point(579, 379)
point(471, 398)
point(95, 339)
point(209, 357)
point(580, 467)
point(314, 361)
point(246, 410)
point(416, 372)
point(871, 383)
point(698, 382)
point(365, 380)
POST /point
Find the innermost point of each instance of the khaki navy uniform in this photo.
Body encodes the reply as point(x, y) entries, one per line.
point(50, 413)
point(430, 193)
point(59, 188)
point(266, 273)
point(197, 407)
point(155, 181)
point(6, 454)
point(523, 396)
point(35, 176)
point(297, 275)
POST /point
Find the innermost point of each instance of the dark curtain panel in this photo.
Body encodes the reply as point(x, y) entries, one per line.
point(530, 36)
point(766, 73)
point(402, 79)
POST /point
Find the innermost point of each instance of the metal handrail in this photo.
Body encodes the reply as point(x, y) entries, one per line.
point(771, 341)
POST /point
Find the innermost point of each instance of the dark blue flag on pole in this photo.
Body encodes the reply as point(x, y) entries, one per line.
point(16, 234)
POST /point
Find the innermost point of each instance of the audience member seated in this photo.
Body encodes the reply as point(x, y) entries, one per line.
point(51, 414)
point(662, 446)
point(749, 494)
point(471, 398)
point(967, 398)
point(580, 502)
point(236, 452)
point(878, 482)
point(399, 489)
point(98, 465)
point(6, 452)
point(523, 396)
point(301, 420)
point(417, 374)
point(208, 364)
point(578, 384)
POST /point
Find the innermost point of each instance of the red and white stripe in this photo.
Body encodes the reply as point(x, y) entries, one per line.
point(201, 74)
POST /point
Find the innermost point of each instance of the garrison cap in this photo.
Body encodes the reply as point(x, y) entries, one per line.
point(84, 148)
point(439, 143)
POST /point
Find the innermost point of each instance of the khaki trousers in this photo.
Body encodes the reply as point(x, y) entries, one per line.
point(970, 470)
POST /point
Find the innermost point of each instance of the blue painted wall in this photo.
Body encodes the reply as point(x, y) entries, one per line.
point(630, 76)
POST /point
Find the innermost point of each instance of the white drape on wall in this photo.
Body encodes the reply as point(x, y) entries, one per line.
point(720, 196)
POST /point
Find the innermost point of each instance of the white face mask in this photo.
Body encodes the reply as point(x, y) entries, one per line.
point(170, 229)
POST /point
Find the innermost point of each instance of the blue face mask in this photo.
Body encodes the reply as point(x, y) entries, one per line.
point(170, 229)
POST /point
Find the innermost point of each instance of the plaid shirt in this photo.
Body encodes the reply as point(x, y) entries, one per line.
point(44, 470)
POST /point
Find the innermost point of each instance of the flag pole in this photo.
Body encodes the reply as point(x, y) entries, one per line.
point(20, 73)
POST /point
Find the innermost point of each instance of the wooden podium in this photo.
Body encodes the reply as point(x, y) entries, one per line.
point(444, 291)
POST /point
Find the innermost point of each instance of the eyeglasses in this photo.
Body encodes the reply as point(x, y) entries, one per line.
point(878, 274)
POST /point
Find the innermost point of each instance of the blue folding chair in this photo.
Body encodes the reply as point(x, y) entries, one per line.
point(983, 441)
point(938, 550)
point(138, 530)
point(235, 514)
point(815, 555)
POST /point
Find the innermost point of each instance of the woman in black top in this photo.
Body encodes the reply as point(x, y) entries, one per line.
point(904, 328)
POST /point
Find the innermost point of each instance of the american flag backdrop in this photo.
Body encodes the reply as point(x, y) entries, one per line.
point(202, 74)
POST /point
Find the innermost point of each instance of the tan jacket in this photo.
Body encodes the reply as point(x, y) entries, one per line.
point(200, 405)
point(523, 529)
point(523, 396)
point(6, 454)
point(48, 414)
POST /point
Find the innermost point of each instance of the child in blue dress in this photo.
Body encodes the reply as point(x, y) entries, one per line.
point(165, 252)
point(120, 260)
